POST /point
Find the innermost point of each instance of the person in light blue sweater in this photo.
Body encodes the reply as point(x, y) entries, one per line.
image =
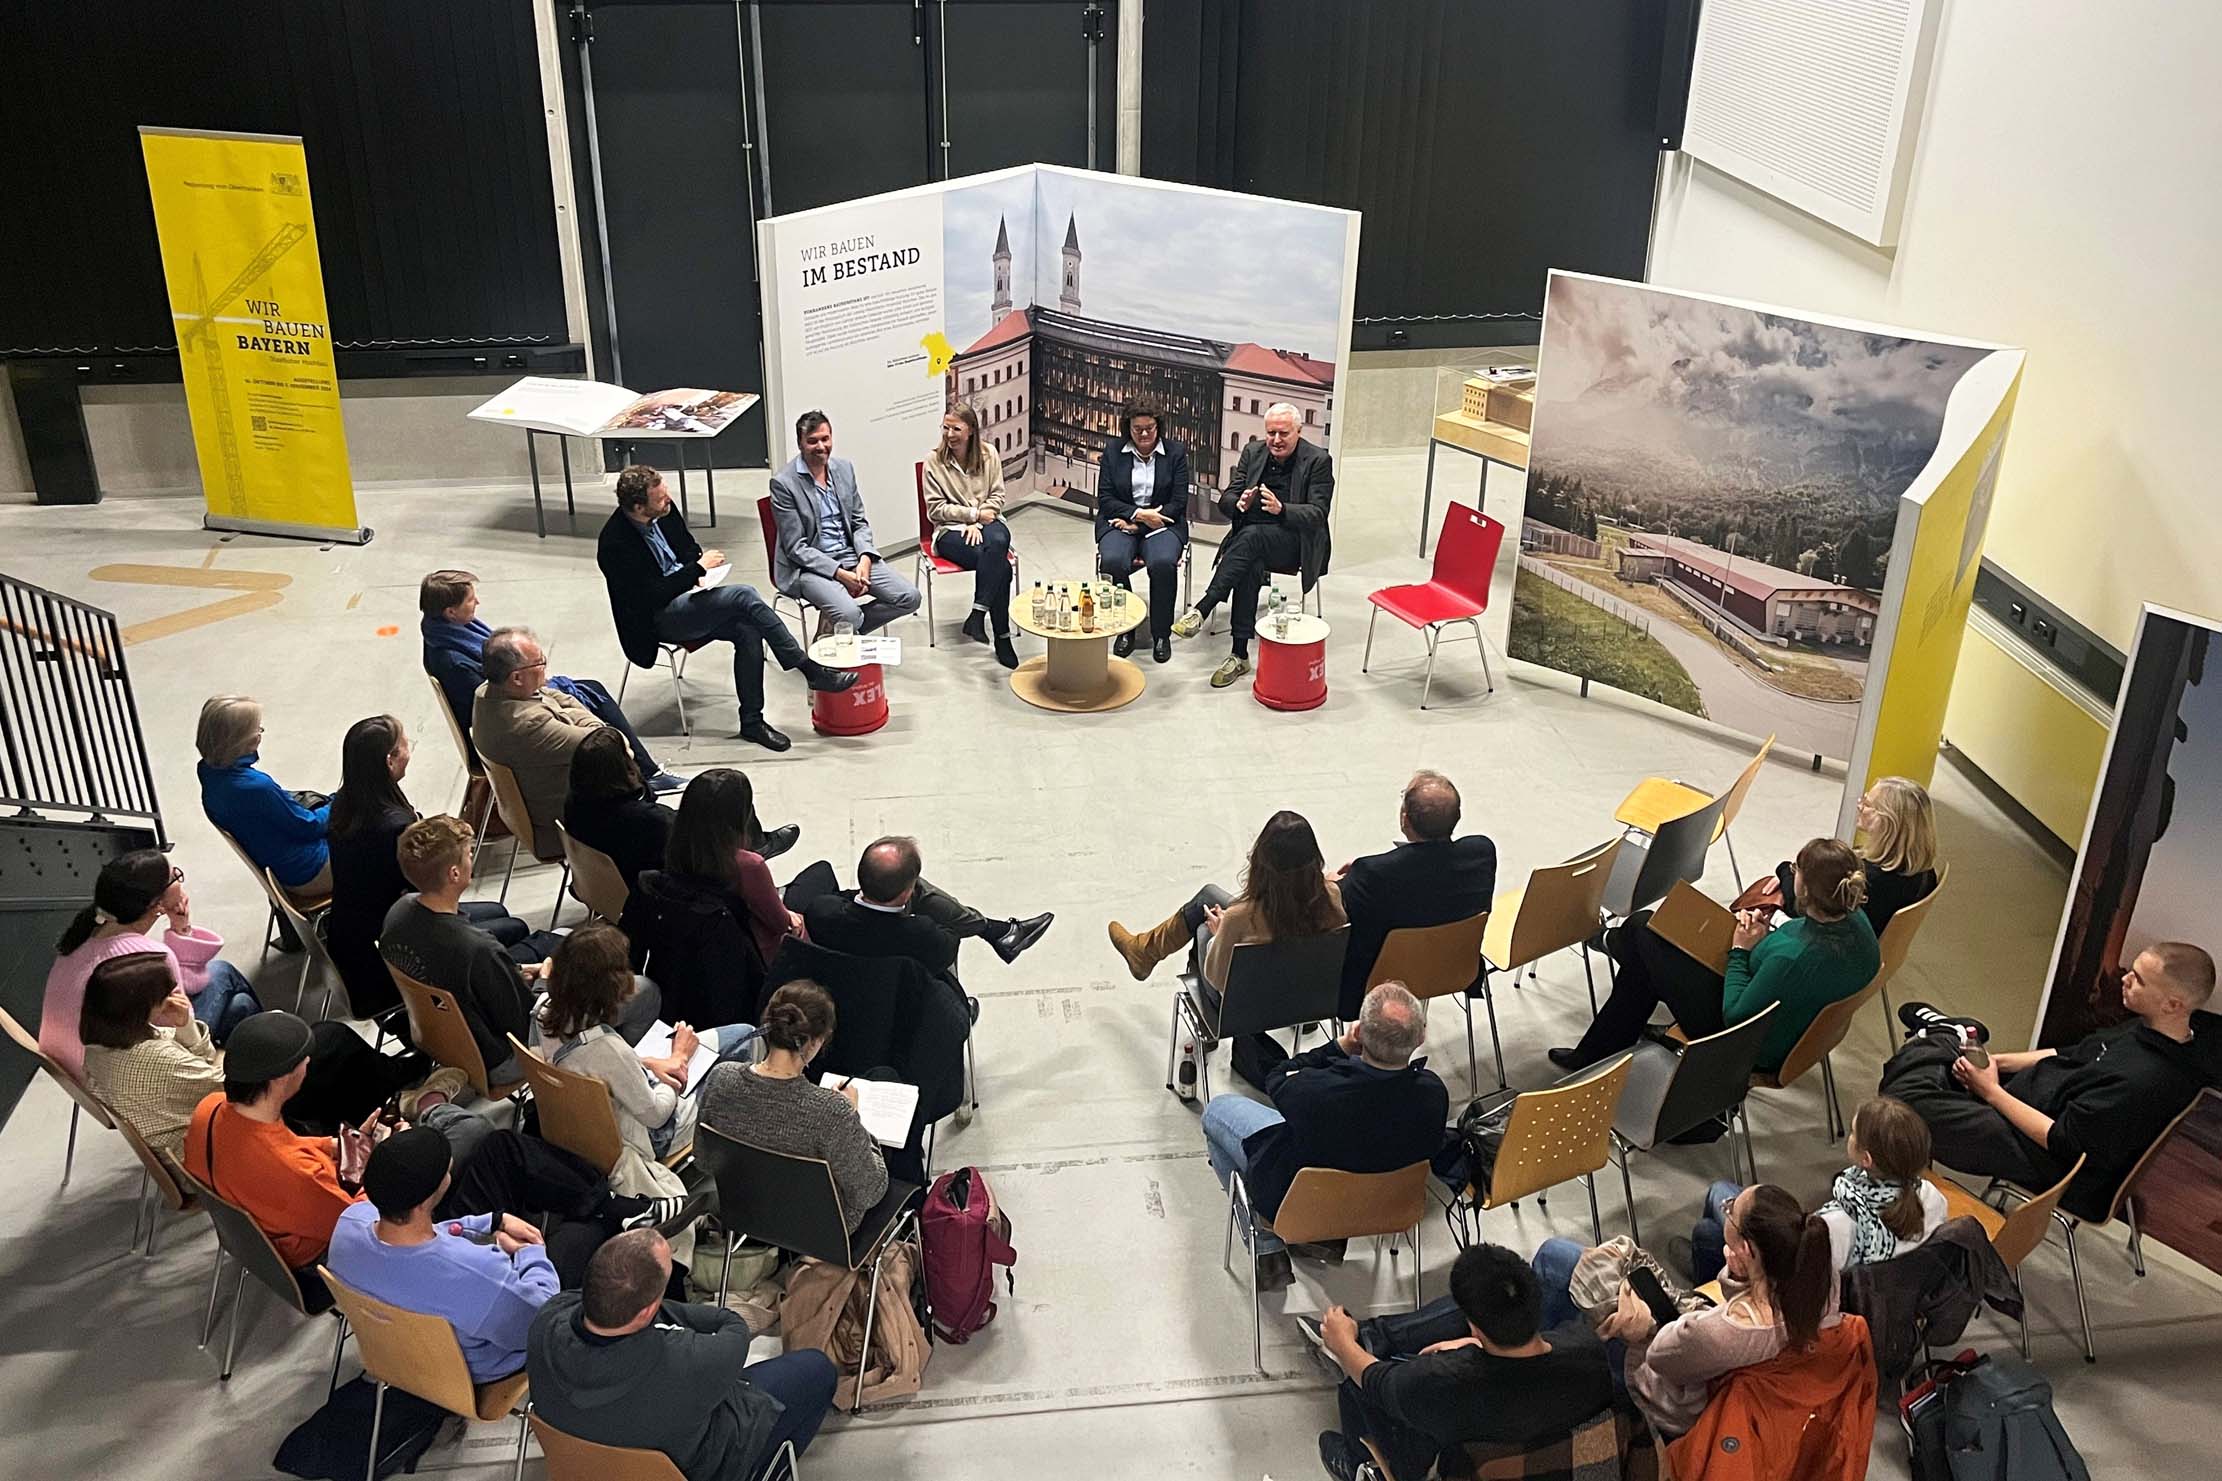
point(486, 1275)
point(278, 830)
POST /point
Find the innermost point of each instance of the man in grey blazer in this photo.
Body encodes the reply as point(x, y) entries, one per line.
point(823, 551)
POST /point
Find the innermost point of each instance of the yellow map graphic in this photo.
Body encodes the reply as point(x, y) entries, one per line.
point(939, 352)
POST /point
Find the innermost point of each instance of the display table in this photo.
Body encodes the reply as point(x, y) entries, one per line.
point(1292, 662)
point(1483, 411)
point(861, 708)
point(1079, 675)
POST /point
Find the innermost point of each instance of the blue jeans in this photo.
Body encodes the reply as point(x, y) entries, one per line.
point(227, 1001)
point(1554, 1264)
point(735, 1042)
point(1709, 1237)
point(1229, 1121)
point(803, 1383)
point(602, 705)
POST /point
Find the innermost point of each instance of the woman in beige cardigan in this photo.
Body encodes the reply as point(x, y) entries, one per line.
point(964, 504)
point(1285, 894)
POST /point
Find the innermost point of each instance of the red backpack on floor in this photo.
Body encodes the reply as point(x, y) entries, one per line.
point(966, 1236)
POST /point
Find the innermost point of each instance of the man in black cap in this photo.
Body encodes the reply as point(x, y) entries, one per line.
point(486, 1275)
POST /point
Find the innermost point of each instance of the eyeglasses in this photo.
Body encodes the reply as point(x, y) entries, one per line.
point(176, 875)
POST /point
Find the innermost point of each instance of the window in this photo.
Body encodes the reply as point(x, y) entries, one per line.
point(969, 383)
point(1234, 442)
point(1308, 418)
point(1235, 405)
point(1253, 406)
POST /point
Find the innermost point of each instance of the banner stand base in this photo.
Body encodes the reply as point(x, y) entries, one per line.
point(322, 534)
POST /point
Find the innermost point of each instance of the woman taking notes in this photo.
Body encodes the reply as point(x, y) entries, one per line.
point(964, 504)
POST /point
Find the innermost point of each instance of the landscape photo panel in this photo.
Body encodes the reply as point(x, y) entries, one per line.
point(1713, 496)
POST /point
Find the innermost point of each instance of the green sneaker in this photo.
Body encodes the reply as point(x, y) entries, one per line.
point(1234, 668)
point(1188, 624)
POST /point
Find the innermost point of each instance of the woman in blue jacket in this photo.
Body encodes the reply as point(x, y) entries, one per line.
point(277, 830)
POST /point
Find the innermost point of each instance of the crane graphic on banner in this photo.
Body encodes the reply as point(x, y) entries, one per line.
point(201, 326)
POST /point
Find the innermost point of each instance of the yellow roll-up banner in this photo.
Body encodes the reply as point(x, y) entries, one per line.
point(247, 301)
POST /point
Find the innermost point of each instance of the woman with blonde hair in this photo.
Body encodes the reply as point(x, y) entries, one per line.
point(964, 504)
point(283, 832)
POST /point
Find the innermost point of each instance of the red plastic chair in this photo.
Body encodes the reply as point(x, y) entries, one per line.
point(771, 546)
point(1457, 590)
point(931, 565)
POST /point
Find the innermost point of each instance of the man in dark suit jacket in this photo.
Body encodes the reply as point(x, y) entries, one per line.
point(1430, 879)
point(894, 912)
point(1142, 517)
point(654, 569)
point(1357, 1104)
point(1278, 499)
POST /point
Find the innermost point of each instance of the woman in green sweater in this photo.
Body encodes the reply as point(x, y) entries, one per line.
point(1825, 953)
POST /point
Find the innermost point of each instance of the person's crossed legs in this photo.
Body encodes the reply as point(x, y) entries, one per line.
point(892, 597)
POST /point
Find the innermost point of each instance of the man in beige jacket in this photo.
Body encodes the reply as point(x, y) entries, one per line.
point(520, 721)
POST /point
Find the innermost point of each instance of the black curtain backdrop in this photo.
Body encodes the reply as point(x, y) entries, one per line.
point(427, 154)
point(1485, 143)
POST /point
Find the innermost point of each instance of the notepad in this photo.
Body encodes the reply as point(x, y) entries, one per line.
point(886, 1107)
point(713, 576)
point(656, 1043)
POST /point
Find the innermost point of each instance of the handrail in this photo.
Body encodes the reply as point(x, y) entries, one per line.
point(70, 738)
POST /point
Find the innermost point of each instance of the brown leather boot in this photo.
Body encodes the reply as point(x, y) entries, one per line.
point(1145, 951)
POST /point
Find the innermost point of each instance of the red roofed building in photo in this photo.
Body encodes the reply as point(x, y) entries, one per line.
point(1768, 601)
point(1049, 384)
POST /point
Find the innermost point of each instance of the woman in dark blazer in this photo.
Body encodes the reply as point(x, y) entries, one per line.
point(1142, 519)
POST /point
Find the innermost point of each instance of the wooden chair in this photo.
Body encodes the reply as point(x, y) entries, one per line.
point(1644, 871)
point(437, 1024)
point(1322, 1204)
point(315, 955)
point(577, 1113)
point(1814, 1047)
point(1444, 961)
point(82, 1100)
point(1672, 1087)
point(596, 881)
point(1614, 1446)
point(1700, 928)
point(241, 1238)
point(158, 1178)
point(573, 1459)
point(1896, 942)
point(418, 1354)
point(473, 773)
point(1555, 1136)
point(510, 798)
point(1657, 801)
point(929, 565)
point(1271, 985)
point(2015, 1236)
point(1557, 909)
point(272, 891)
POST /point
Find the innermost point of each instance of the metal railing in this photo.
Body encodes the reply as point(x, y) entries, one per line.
point(70, 739)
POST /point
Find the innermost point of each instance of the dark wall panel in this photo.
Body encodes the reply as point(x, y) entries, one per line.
point(1018, 86)
point(845, 101)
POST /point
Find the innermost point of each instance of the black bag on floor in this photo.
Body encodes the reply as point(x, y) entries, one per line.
point(1468, 1156)
point(1986, 1419)
point(331, 1443)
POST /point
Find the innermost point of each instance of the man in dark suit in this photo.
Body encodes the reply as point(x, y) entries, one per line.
point(1430, 879)
point(1142, 517)
point(896, 913)
point(1278, 499)
point(654, 571)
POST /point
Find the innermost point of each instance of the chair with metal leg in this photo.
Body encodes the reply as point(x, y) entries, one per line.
point(596, 881)
point(1271, 985)
point(291, 907)
point(473, 773)
point(1323, 1204)
point(1674, 1086)
point(1656, 801)
point(577, 1113)
point(1556, 910)
point(420, 1355)
point(1896, 943)
point(675, 655)
point(82, 1100)
point(930, 564)
point(1814, 1046)
point(1444, 962)
point(1645, 869)
point(1551, 1137)
point(161, 1187)
point(2015, 1235)
point(1456, 590)
point(438, 1027)
point(241, 1238)
point(510, 798)
point(316, 957)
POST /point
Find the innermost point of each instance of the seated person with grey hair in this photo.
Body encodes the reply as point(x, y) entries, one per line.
point(528, 725)
point(1361, 1103)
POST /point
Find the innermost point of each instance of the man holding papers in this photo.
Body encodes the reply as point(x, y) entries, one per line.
point(665, 588)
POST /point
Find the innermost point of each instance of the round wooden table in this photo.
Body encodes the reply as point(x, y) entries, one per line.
point(1079, 676)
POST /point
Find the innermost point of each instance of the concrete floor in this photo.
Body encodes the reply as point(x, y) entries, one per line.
point(1125, 1343)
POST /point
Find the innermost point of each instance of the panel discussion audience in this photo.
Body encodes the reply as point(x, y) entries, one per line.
point(1430, 878)
point(1355, 1104)
point(486, 1275)
point(527, 724)
point(617, 1364)
point(281, 831)
point(1142, 519)
point(1475, 1367)
point(656, 573)
point(964, 505)
point(895, 912)
point(1277, 499)
point(454, 654)
point(131, 894)
point(717, 840)
point(369, 814)
point(774, 1105)
point(609, 807)
point(1897, 848)
point(1825, 952)
point(2026, 1116)
point(823, 551)
point(1286, 895)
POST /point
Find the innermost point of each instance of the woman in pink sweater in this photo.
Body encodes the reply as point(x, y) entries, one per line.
point(134, 891)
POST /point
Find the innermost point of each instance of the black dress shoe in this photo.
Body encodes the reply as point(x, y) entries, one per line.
point(778, 841)
point(1123, 644)
point(1162, 650)
point(763, 735)
point(827, 680)
point(1335, 1454)
point(1568, 1059)
point(1005, 654)
point(1022, 934)
point(976, 626)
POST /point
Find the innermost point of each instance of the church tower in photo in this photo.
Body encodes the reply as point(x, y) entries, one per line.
point(1068, 297)
point(1002, 304)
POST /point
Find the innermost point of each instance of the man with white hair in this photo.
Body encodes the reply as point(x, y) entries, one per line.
point(1277, 499)
point(1361, 1103)
point(528, 725)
